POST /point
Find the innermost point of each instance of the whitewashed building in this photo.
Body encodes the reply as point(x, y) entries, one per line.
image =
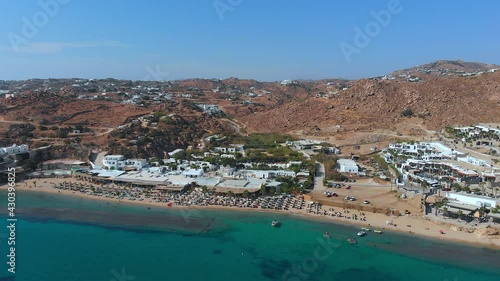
point(268, 174)
point(16, 149)
point(347, 166)
point(119, 162)
point(478, 201)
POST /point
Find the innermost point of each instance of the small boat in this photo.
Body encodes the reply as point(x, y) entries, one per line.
point(365, 229)
point(275, 223)
point(361, 233)
point(352, 240)
point(326, 235)
point(378, 231)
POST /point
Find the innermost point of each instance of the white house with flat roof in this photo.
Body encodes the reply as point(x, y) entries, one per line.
point(119, 162)
point(347, 166)
point(16, 149)
point(172, 153)
point(268, 174)
point(193, 173)
point(468, 199)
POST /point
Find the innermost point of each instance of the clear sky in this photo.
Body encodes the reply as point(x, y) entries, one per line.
point(262, 39)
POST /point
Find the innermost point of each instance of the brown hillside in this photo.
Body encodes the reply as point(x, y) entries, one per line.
point(378, 104)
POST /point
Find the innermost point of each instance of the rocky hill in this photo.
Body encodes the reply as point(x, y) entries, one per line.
point(436, 102)
point(448, 68)
point(429, 97)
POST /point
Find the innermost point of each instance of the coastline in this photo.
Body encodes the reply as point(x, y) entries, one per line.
point(417, 225)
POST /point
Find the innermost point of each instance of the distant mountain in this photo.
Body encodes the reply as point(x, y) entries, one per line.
point(448, 68)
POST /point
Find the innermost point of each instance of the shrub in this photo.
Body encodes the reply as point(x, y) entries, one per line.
point(407, 112)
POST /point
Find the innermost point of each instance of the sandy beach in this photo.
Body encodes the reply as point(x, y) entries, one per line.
point(416, 225)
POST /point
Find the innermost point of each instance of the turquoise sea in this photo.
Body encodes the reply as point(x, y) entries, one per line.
point(66, 238)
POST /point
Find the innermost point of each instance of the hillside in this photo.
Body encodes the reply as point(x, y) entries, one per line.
point(448, 68)
point(46, 111)
point(436, 102)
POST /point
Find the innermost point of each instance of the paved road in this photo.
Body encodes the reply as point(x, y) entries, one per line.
point(99, 158)
point(237, 127)
point(320, 176)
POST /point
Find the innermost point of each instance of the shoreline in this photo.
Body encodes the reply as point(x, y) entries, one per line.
point(409, 225)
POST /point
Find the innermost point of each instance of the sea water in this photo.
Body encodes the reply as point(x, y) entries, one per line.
point(62, 237)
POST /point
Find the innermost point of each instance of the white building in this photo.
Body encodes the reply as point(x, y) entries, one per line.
point(230, 149)
point(268, 174)
point(119, 162)
point(225, 149)
point(466, 199)
point(347, 166)
point(474, 161)
point(193, 173)
point(172, 153)
point(16, 149)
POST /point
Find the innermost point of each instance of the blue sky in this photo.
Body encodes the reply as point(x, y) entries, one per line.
point(261, 39)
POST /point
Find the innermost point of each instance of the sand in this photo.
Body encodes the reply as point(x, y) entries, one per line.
point(414, 224)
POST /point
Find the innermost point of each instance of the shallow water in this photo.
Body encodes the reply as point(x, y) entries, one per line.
point(67, 238)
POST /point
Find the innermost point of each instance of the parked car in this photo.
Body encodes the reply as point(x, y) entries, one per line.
point(330, 194)
point(366, 202)
point(348, 187)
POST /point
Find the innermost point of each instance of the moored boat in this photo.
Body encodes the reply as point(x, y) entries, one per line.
point(378, 231)
point(275, 223)
point(361, 233)
point(352, 240)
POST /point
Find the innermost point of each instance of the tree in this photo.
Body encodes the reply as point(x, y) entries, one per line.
point(425, 184)
point(272, 190)
point(246, 194)
point(445, 210)
point(230, 193)
point(204, 189)
point(238, 156)
point(181, 155)
point(460, 213)
point(483, 211)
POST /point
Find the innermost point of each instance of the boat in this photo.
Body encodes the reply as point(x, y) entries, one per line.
point(352, 240)
point(378, 231)
point(361, 233)
point(275, 223)
point(365, 229)
point(326, 235)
